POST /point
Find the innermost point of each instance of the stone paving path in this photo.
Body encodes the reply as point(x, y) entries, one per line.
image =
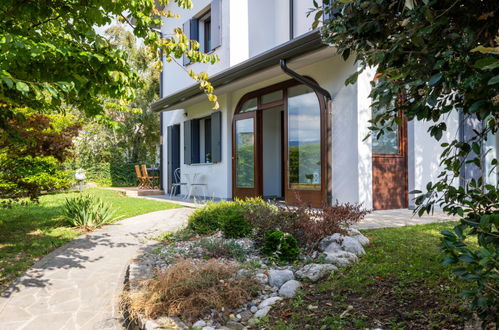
point(77, 286)
point(400, 218)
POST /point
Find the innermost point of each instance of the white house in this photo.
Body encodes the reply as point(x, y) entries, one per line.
point(287, 124)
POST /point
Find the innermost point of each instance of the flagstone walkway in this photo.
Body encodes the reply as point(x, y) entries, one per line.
point(77, 286)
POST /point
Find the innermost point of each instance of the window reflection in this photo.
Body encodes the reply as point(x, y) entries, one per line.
point(304, 139)
point(249, 105)
point(245, 153)
point(389, 141)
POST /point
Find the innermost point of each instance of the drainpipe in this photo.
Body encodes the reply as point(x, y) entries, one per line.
point(161, 124)
point(329, 104)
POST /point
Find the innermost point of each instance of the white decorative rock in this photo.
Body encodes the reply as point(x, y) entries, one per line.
point(262, 278)
point(352, 232)
point(337, 242)
point(315, 272)
point(350, 244)
point(340, 258)
point(262, 312)
point(208, 328)
point(268, 302)
point(326, 241)
point(278, 277)
point(289, 288)
point(199, 324)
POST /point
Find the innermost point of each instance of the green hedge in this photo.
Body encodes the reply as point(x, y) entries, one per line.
point(112, 174)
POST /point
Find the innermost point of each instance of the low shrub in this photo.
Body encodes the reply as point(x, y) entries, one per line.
point(191, 290)
point(219, 248)
point(280, 246)
point(311, 225)
point(85, 211)
point(234, 225)
point(212, 216)
point(231, 217)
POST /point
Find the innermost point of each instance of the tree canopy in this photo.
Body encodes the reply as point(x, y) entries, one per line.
point(436, 57)
point(52, 60)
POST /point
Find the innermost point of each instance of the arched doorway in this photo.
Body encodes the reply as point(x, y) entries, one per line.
point(279, 144)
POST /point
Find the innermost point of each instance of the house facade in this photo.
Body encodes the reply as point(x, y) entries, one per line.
point(287, 126)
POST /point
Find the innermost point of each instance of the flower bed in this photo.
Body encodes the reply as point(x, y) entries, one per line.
point(205, 276)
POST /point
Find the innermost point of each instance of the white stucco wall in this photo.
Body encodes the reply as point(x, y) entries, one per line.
point(424, 152)
point(249, 27)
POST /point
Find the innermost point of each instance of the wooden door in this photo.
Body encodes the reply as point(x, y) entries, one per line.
point(246, 178)
point(389, 170)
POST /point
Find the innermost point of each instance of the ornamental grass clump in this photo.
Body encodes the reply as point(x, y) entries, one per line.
point(87, 212)
point(190, 290)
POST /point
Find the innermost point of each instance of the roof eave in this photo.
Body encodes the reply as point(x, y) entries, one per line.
point(308, 42)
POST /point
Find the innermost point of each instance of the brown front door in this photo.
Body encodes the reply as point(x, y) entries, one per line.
point(245, 156)
point(390, 169)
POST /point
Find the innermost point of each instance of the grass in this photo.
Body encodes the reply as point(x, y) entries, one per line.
point(399, 284)
point(27, 233)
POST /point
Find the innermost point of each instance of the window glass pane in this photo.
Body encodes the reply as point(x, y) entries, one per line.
point(272, 97)
point(304, 139)
point(491, 172)
point(249, 105)
point(389, 142)
point(245, 153)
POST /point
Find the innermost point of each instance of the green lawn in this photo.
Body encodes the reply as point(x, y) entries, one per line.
point(27, 233)
point(399, 284)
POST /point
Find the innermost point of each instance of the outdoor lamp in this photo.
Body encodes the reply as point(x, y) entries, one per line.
point(80, 176)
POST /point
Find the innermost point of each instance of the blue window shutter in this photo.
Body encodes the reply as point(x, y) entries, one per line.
point(195, 141)
point(191, 30)
point(216, 23)
point(187, 142)
point(216, 137)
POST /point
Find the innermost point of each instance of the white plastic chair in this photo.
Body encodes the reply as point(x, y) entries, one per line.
point(177, 182)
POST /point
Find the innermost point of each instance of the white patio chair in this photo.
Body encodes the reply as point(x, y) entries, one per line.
point(194, 184)
point(177, 182)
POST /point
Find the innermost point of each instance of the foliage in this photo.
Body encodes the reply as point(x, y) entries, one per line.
point(280, 246)
point(46, 62)
point(222, 248)
point(310, 225)
point(234, 224)
point(431, 58)
point(115, 174)
point(228, 216)
point(191, 290)
point(209, 218)
point(86, 211)
point(53, 60)
point(28, 232)
point(129, 131)
point(31, 154)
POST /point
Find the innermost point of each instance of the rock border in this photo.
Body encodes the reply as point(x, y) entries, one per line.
point(279, 282)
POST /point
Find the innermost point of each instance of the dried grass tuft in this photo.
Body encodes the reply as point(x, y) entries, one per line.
point(190, 290)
